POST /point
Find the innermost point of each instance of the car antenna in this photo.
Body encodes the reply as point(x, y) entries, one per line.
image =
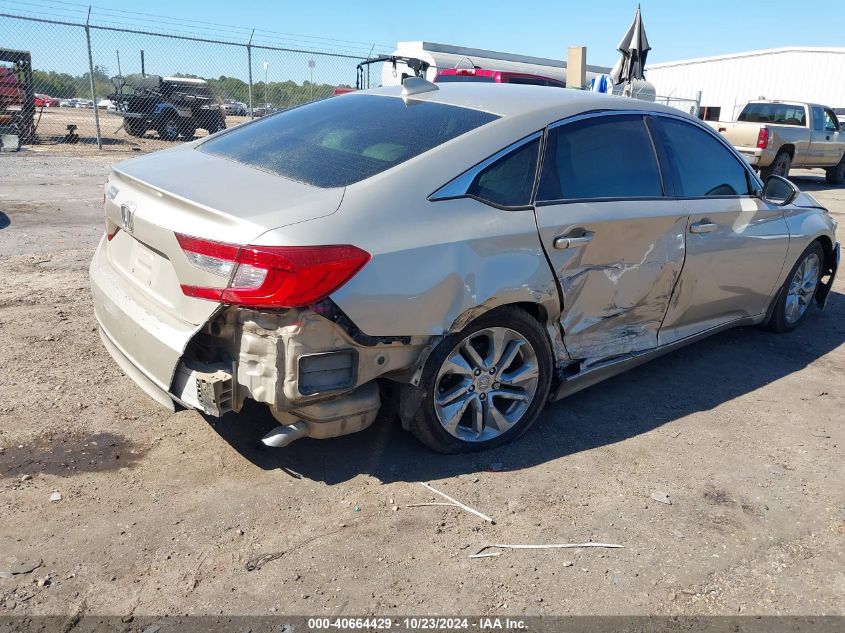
point(417, 85)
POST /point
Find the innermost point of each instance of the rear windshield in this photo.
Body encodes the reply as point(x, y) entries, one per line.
point(440, 79)
point(343, 140)
point(779, 113)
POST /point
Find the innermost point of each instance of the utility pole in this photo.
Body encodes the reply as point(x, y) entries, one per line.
point(311, 64)
point(266, 66)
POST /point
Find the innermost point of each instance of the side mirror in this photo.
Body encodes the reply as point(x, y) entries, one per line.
point(780, 191)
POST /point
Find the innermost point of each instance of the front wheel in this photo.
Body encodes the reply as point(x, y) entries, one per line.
point(798, 290)
point(169, 128)
point(485, 385)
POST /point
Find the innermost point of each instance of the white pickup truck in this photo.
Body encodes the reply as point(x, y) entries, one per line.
point(775, 136)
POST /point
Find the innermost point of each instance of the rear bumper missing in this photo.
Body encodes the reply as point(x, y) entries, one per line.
point(311, 369)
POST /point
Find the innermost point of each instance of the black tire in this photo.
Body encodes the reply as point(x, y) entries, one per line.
point(425, 424)
point(188, 129)
point(779, 322)
point(216, 127)
point(169, 127)
point(836, 175)
point(135, 127)
point(780, 166)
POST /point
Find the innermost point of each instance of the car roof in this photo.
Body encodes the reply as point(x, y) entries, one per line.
point(508, 100)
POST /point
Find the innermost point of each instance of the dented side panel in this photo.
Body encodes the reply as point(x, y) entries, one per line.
point(616, 287)
point(731, 272)
point(451, 262)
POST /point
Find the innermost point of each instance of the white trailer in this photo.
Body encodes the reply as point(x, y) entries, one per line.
point(439, 56)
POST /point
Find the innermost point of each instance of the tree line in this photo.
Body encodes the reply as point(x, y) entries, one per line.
point(279, 93)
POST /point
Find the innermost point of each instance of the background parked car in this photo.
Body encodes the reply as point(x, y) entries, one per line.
point(235, 108)
point(106, 104)
point(67, 103)
point(264, 110)
point(45, 101)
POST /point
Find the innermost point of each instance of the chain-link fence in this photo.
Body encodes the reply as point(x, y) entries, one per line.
point(115, 88)
point(690, 106)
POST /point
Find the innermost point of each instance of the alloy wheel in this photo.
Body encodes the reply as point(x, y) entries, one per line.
point(802, 288)
point(486, 384)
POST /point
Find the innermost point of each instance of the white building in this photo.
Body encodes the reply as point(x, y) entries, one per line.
point(727, 82)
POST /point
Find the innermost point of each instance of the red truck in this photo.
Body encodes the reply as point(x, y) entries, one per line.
point(10, 90)
point(484, 75)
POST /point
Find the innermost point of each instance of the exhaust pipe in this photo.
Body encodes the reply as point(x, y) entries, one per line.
point(284, 434)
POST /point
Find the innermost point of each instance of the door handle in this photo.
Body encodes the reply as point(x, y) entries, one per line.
point(562, 241)
point(702, 227)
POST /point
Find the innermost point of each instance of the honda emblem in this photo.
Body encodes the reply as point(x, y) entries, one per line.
point(126, 218)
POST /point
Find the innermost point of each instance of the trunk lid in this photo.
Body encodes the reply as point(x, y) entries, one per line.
point(151, 199)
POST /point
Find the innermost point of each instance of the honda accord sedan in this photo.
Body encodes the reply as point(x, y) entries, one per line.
point(461, 253)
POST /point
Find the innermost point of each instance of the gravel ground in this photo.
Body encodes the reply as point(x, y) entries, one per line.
point(163, 513)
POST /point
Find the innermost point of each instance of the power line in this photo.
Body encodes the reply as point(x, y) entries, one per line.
point(120, 17)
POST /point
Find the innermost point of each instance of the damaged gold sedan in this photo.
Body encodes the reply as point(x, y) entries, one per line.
point(466, 251)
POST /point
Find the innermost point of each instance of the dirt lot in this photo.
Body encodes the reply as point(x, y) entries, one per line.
point(161, 513)
point(52, 131)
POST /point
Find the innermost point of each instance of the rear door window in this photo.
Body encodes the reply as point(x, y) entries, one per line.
point(603, 157)
point(702, 164)
point(343, 140)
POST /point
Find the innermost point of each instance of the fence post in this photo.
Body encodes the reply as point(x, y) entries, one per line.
point(249, 61)
point(697, 112)
point(91, 78)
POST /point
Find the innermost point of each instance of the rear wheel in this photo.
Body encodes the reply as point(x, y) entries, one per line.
point(486, 385)
point(836, 175)
point(216, 127)
point(798, 290)
point(780, 166)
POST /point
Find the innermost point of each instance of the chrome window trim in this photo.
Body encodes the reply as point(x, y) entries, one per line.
point(458, 187)
point(755, 179)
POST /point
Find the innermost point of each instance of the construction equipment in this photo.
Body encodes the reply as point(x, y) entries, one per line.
point(17, 100)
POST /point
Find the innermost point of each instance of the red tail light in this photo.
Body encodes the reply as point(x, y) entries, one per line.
point(272, 276)
point(763, 138)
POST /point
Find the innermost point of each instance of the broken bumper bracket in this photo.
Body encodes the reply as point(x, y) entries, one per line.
point(825, 287)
